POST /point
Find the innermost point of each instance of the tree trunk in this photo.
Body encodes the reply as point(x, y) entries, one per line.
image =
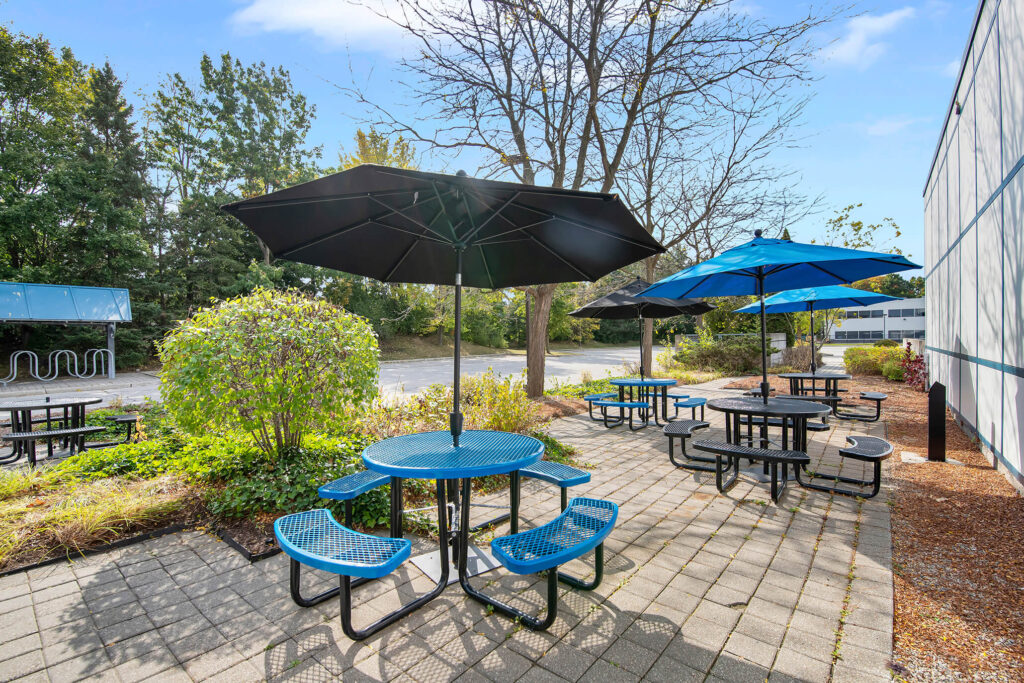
point(537, 333)
point(647, 338)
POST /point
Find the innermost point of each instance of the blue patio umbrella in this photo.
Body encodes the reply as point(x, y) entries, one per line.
point(822, 298)
point(775, 265)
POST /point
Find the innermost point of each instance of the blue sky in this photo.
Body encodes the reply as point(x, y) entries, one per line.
point(885, 76)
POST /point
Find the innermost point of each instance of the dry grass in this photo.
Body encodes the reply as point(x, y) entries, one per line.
point(38, 521)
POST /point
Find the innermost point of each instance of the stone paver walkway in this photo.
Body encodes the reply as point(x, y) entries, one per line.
point(698, 586)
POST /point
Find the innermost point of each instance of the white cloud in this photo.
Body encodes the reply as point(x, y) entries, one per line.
point(336, 22)
point(952, 70)
point(861, 46)
point(891, 126)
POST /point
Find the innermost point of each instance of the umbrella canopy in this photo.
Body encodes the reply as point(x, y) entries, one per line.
point(398, 225)
point(774, 265)
point(822, 298)
point(623, 304)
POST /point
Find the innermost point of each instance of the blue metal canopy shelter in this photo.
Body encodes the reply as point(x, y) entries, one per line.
point(26, 302)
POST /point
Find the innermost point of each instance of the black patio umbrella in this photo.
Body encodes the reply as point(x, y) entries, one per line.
point(622, 304)
point(398, 225)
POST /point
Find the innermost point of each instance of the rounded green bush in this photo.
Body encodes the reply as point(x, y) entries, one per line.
point(275, 365)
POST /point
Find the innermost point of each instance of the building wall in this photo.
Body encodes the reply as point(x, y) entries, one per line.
point(898, 320)
point(974, 239)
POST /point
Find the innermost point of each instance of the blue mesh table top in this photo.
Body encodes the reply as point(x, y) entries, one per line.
point(430, 455)
point(649, 382)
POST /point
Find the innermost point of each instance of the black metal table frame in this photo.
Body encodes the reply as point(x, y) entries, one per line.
point(21, 421)
point(645, 394)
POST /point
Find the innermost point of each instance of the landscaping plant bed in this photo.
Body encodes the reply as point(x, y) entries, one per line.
point(958, 556)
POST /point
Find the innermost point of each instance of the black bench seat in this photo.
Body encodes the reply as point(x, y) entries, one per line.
point(733, 453)
point(874, 396)
point(683, 430)
point(863, 448)
point(75, 436)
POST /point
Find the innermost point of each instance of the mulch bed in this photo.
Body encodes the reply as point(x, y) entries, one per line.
point(553, 407)
point(958, 552)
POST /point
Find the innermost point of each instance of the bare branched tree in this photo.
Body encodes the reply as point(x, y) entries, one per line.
point(566, 93)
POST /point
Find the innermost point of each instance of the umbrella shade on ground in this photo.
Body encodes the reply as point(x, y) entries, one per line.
point(399, 225)
point(821, 298)
point(623, 304)
point(774, 265)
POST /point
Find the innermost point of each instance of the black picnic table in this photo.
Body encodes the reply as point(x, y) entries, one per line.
point(72, 416)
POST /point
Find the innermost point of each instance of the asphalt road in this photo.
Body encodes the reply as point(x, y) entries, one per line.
point(396, 377)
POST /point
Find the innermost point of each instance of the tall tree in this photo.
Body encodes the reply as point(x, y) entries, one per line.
point(554, 92)
point(376, 147)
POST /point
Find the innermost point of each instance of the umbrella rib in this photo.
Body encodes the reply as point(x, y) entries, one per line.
point(494, 214)
point(561, 258)
point(483, 257)
point(348, 228)
point(411, 219)
point(401, 259)
point(298, 201)
point(520, 228)
point(585, 226)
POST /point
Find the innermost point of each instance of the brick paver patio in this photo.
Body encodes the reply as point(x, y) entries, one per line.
point(698, 586)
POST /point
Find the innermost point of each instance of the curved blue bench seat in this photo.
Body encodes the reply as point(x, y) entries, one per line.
point(631, 406)
point(692, 403)
point(555, 473)
point(598, 397)
point(584, 525)
point(352, 485)
point(580, 528)
point(315, 539)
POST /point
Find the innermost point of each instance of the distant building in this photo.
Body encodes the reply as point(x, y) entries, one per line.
point(974, 239)
point(903, 319)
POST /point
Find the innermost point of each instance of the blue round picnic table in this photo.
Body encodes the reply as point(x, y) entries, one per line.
point(647, 390)
point(431, 455)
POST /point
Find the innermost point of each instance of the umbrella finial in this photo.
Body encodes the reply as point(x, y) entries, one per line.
point(461, 174)
point(757, 233)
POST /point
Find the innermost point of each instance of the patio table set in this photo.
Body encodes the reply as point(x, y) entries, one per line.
point(399, 225)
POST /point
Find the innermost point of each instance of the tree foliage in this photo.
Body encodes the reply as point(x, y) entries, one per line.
point(275, 365)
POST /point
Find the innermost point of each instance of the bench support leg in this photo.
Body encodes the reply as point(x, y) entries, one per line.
point(598, 572)
point(689, 463)
point(875, 482)
point(346, 582)
point(721, 482)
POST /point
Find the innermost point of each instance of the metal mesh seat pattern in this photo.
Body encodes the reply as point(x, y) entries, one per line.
point(873, 395)
point(430, 455)
point(684, 427)
point(315, 539)
point(735, 450)
point(695, 402)
point(555, 473)
point(49, 433)
point(584, 524)
point(599, 397)
point(871, 447)
point(352, 485)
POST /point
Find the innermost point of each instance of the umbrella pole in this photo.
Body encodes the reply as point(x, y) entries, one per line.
point(814, 367)
point(455, 419)
point(765, 387)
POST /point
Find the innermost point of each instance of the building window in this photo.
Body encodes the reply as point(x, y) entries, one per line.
point(877, 314)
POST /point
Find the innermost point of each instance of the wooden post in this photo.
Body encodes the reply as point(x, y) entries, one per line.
point(937, 423)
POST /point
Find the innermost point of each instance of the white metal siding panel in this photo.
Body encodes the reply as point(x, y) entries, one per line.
point(990, 297)
point(967, 294)
point(1011, 47)
point(968, 155)
point(990, 403)
point(1013, 271)
point(1013, 421)
point(942, 210)
point(986, 102)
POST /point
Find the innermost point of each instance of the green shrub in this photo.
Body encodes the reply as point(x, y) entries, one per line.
point(886, 342)
point(892, 369)
point(732, 355)
point(275, 365)
point(868, 360)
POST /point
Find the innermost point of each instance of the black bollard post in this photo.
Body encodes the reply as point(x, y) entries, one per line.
point(937, 423)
